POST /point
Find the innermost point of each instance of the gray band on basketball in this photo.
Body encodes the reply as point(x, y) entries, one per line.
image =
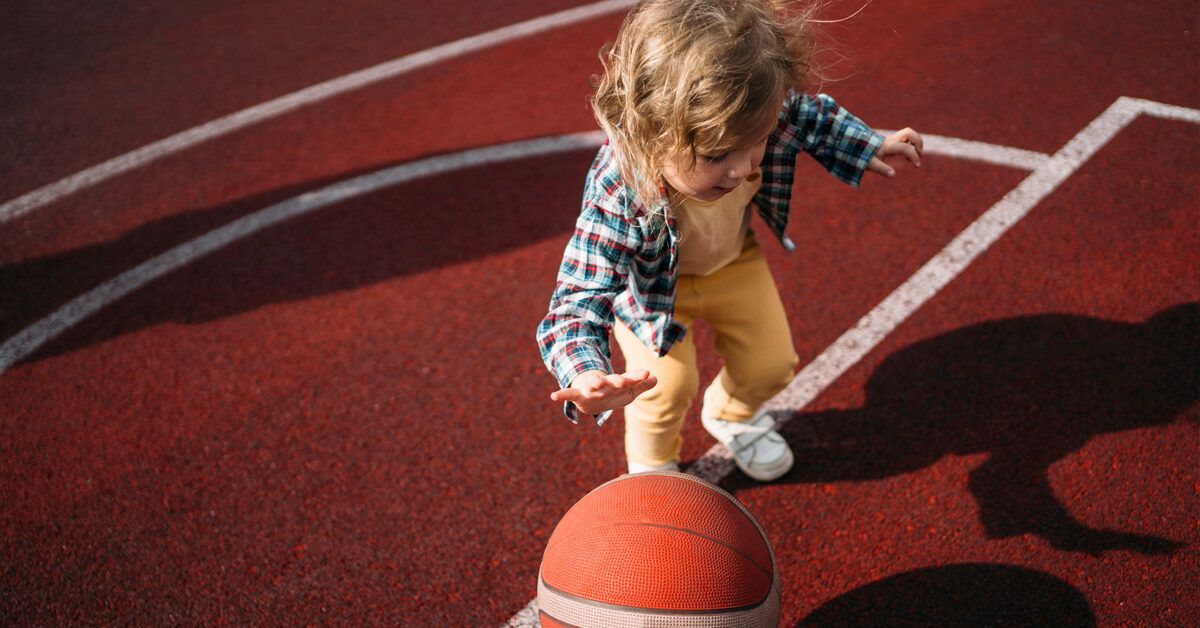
point(577, 612)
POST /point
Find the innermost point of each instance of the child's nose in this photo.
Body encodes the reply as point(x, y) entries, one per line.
point(742, 168)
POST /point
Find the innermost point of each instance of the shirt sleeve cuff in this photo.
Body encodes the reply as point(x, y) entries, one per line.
point(577, 359)
point(572, 414)
point(580, 359)
point(873, 141)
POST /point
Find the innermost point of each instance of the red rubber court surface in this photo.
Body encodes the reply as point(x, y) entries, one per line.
point(341, 416)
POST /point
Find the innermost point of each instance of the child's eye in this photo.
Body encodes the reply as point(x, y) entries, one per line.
point(715, 159)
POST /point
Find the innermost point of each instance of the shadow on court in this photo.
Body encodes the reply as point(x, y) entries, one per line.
point(1027, 391)
point(971, 594)
point(396, 231)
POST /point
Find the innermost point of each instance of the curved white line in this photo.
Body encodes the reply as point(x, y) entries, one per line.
point(307, 96)
point(33, 337)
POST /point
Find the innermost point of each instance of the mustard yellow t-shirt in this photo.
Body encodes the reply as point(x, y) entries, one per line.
point(711, 233)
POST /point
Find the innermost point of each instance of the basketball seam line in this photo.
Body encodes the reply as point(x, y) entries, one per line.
point(553, 543)
point(731, 548)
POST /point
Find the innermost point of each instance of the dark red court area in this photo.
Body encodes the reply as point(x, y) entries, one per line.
point(213, 411)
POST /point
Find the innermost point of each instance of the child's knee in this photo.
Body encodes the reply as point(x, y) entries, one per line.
point(785, 370)
point(670, 398)
point(757, 380)
point(773, 373)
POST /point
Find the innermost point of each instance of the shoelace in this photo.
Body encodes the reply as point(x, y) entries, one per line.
point(738, 431)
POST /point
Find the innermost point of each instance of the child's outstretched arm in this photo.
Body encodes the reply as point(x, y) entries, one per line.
point(837, 139)
point(595, 392)
point(574, 335)
point(905, 142)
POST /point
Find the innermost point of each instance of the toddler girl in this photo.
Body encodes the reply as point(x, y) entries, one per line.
point(702, 104)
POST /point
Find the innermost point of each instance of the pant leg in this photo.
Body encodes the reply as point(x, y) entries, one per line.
point(742, 304)
point(654, 419)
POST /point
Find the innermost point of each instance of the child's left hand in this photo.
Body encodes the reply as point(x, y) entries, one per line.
point(905, 142)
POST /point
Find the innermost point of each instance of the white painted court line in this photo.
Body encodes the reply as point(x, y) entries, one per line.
point(38, 334)
point(295, 100)
point(1161, 110)
point(979, 151)
point(31, 338)
point(853, 345)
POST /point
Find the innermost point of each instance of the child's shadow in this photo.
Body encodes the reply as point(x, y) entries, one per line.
point(1027, 391)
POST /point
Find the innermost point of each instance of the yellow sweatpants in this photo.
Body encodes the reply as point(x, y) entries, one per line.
point(741, 303)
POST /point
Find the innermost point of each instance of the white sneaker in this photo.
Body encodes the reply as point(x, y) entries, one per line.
point(643, 468)
point(759, 451)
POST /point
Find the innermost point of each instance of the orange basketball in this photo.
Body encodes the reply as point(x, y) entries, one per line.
point(658, 549)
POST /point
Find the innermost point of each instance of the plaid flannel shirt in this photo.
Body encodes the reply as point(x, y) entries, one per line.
point(623, 258)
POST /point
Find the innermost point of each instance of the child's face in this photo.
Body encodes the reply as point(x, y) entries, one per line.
point(714, 176)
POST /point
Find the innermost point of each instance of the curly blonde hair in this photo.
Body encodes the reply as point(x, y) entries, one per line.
point(697, 77)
